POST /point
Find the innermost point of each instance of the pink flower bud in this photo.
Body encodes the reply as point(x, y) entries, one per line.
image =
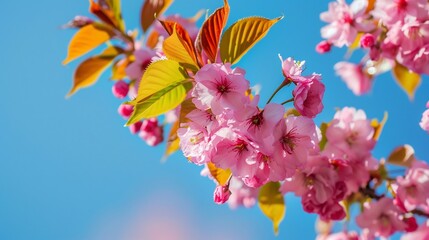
point(411, 224)
point(367, 40)
point(151, 132)
point(135, 128)
point(120, 89)
point(323, 47)
point(125, 110)
point(221, 194)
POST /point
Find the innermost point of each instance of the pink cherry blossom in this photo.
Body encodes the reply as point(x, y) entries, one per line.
point(135, 128)
point(134, 71)
point(308, 96)
point(381, 218)
point(345, 21)
point(151, 132)
point(353, 75)
point(241, 195)
point(120, 89)
point(350, 136)
point(291, 69)
point(323, 47)
point(424, 123)
point(221, 194)
point(219, 87)
point(422, 233)
point(391, 12)
point(413, 189)
point(294, 139)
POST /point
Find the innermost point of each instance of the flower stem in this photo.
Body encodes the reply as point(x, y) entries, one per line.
point(287, 101)
point(277, 90)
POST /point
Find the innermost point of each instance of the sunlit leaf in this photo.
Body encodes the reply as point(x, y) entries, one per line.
point(221, 175)
point(163, 87)
point(354, 45)
point(323, 127)
point(150, 9)
point(88, 72)
point(86, 39)
point(211, 31)
point(370, 7)
point(152, 40)
point(115, 5)
point(186, 107)
point(407, 80)
point(181, 49)
point(378, 126)
point(272, 204)
point(402, 156)
point(242, 36)
point(173, 142)
point(118, 69)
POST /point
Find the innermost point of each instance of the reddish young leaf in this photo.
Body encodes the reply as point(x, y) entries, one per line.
point(209, 36)
point(105, 15)
point(150, 9)
point(152, 40)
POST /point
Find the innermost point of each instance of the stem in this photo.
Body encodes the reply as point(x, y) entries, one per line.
point(283, 84)
point(420, 213)
point(287, 101)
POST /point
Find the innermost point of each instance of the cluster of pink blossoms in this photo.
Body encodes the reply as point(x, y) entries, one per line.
point(424, 123)
point(390, 30)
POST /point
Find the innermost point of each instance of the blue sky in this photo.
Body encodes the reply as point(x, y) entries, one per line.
point(69, 170)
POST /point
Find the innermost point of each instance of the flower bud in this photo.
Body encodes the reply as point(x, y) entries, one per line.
point(367, 40)
point(120, 89)
point(135, 128)
point(323, 47)
point(125, 110)
point(221, 194)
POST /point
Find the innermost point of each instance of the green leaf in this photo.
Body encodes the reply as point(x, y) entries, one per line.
point(407, 80)
point(242, 36)
point(86, 39)
point(150, 9)
point(115, 5)
point(163, 87)
point(180, 48)
point(402, 156)
point(272, 204)
point(88, 72)
point(221, 175)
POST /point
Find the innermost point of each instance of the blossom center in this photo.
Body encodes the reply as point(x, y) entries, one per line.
point(223, 86)
point(289, 140)
point(402, 4)
point(240, 146)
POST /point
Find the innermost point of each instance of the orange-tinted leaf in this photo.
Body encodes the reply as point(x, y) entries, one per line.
point(242, 36)
point(179, 47)
point(272, 204)
point(152, 40)
point(221, 175)
point(371, 5)
point(402, 156)
point(118, 69)
point(150, 9)
point(88, 72)
point(211, 31)
point(407, 80)
point(186, 107)
point(378, 127)
point(354, 45)
point(86, 39)
point(173, 141)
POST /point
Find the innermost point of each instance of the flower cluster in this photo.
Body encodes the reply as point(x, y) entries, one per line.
point(394, 34)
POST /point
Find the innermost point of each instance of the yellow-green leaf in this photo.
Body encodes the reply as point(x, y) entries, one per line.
point(88, 72)
point(115, 5)
point(173, 141)
point(178, 49)
point(378, 127)
point(407, 80)
point(272, 204)
point(402, 156)
point(150, 9)
point(323, 127)
point(163, 87)
point(86, 39)
point(221, 175)
point(242, 36)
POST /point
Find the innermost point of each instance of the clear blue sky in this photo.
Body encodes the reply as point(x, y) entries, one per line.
point(69, 170)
